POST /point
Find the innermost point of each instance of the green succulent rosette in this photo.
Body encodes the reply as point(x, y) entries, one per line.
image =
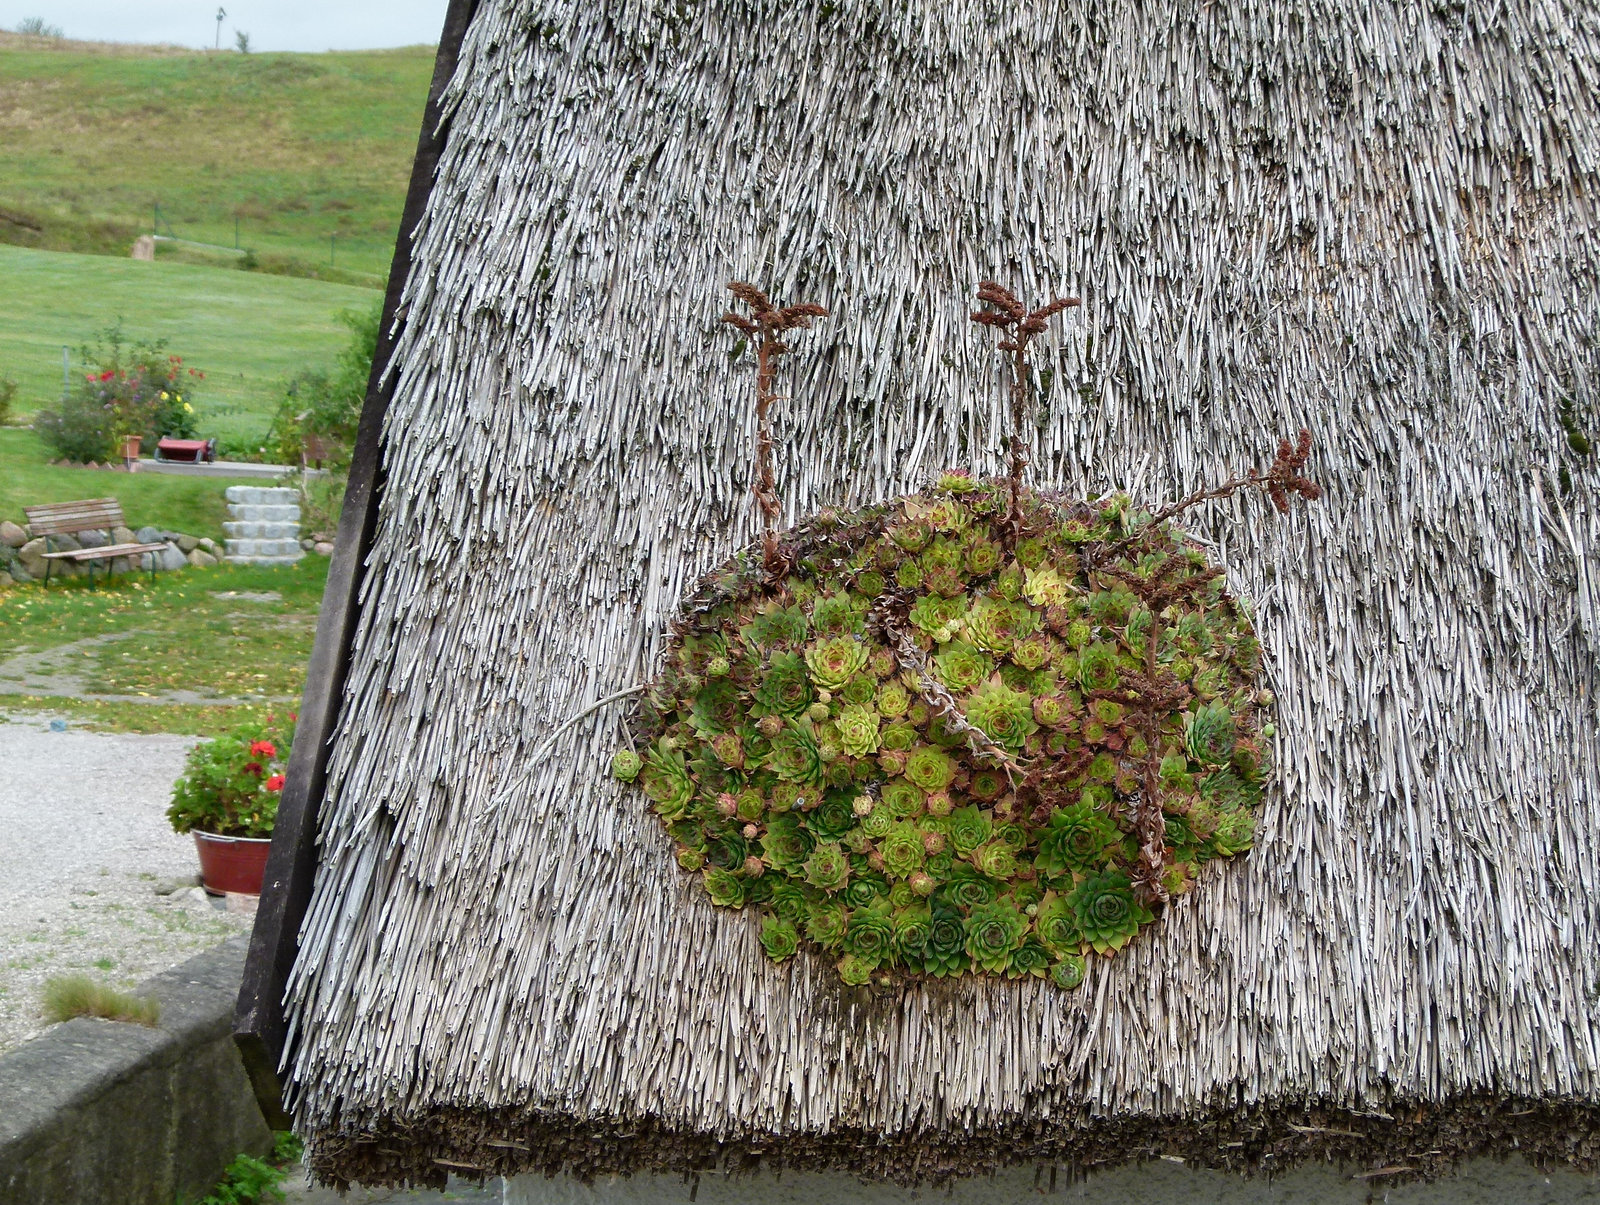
point(826, 924)
point(1107, 911)
point(832, 663)
point(1075, 839)
point(725, 888)
point(1005, 715)
point(665, 779)
point(785, 689)
point(968, 828)
point(994, 932)
point(858, 729)
point(855, 971)
point(815, 745)
point(1209, 735)
point(1068, 972)
point(827, 868)
point(870, 936)
point(902, 851)
point(779, 938)
point(961, 667)
point(787, 844)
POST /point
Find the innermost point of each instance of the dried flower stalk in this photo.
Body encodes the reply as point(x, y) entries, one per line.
point(1019, 326)
point(765, 324)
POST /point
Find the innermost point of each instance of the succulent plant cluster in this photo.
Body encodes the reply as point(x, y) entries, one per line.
point(961, 735)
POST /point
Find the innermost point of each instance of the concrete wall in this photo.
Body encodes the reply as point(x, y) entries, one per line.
point(1482, 1182)
point(109, 1113)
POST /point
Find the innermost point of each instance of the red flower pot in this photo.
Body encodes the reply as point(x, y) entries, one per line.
point(232, 864)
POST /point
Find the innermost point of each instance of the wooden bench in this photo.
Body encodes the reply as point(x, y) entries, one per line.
point(73, 518)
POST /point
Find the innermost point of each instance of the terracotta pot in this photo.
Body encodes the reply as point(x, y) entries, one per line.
point(130, 447)
point(232, 864)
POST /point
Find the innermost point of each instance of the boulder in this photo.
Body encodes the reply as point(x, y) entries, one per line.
point(201, 559)
point(123, 535)
point(31, 557)
point(11, 535)
point(170, 558)
point(209, 545)
point(64, 543)
point(323, 549)
point(148, 535)
point(7, 555)
point(19, 573)
point(93, 539)
point(122, 564)
point(187, 544)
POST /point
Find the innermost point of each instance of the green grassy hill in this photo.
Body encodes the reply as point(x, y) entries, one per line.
point(294, 147)
point(248, 332)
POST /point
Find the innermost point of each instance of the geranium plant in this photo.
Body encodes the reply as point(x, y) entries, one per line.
point(231, 784)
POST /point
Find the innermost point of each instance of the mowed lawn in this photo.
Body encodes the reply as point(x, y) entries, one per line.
point(196, 651)
point(248, 332)
point(294, 148)
point(192, 505)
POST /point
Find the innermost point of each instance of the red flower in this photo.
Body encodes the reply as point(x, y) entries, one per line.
point(107, 375)
point(275, 783)
point(263, 749)
point(253, 767)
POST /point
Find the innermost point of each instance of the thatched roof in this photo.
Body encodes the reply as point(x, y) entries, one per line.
point(1374, 221)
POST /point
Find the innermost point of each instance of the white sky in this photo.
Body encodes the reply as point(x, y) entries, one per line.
point(271, 24)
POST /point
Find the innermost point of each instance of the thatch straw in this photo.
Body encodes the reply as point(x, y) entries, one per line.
point(1373, 221)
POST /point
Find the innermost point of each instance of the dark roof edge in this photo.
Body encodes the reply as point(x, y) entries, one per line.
point(258, 1023)
point(1406, 1141)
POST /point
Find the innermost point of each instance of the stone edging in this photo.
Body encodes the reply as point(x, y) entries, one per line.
point(22, 553)
point(122, 1114)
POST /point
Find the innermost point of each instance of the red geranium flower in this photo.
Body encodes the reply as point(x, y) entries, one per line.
point(253, 767)
point(275, 783)
point(263, 749)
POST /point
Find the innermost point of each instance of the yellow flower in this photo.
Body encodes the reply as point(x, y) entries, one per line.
point(188, 408)
point(163, 395)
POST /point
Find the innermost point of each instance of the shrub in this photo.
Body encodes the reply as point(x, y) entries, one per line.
point(127, 389)
point(8, 395)
point(69, 996)
point(328, 405)
point(231, 783)
point(37, 27)
point(247, 1181)
point(79, 428)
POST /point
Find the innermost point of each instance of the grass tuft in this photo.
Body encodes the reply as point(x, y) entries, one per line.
point(69, 996)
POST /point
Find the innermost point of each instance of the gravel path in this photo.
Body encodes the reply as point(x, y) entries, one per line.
point(88, 865)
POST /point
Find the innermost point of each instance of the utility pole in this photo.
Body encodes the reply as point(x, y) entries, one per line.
point(221, 13)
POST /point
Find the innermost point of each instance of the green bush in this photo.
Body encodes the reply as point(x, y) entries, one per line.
point(8, 395)
point(247, 1181)
point(79, 428)
point(327, 405)
point(231, 783)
